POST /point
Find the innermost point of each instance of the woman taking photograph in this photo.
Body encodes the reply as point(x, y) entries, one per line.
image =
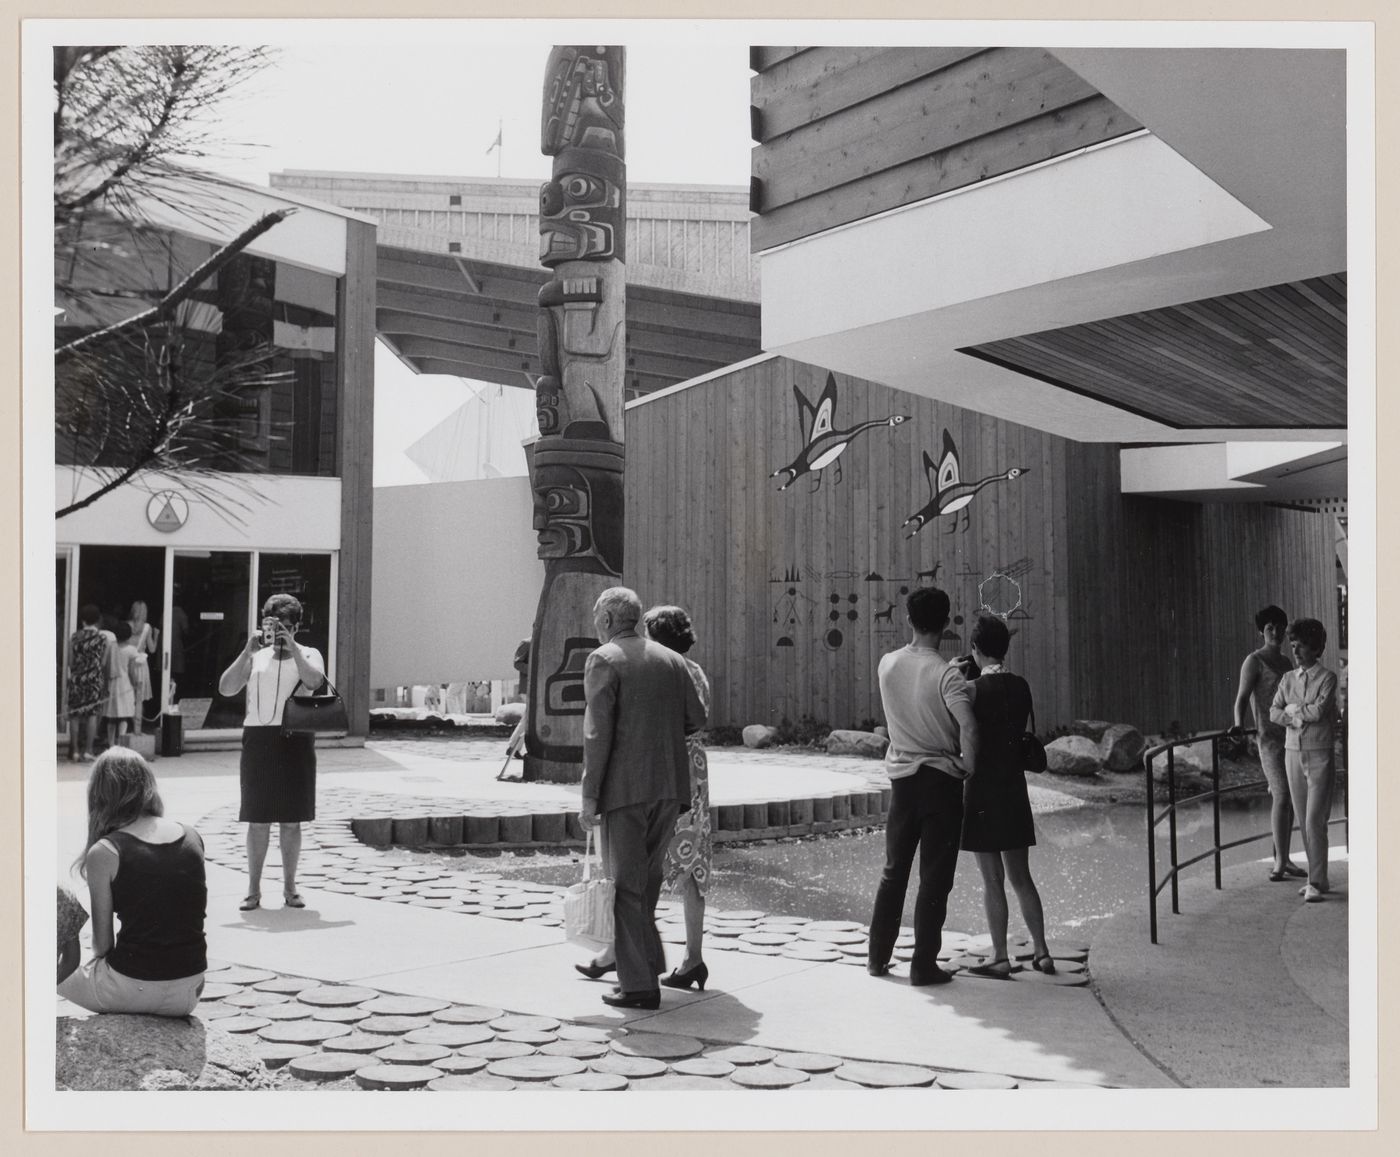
point(997, 821)
point(277, 772)
point(147, 872)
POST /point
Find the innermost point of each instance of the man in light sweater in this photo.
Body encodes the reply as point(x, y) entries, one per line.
point(933, 748)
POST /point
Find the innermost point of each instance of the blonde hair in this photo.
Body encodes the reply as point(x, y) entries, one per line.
point(137, 616)
point(121, 789)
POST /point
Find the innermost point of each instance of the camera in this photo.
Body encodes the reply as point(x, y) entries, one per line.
point(968, 666)
point(269, 632)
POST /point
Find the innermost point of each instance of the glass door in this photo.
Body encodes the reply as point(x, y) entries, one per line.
point(65, 615)
point(206, 627)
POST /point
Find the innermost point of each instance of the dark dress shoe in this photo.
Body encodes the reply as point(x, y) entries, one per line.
point(595, 971)
point(877, 969)
point(647, 1000)
point(935, 975)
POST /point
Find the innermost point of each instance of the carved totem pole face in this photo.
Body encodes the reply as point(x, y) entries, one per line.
point(582, 210)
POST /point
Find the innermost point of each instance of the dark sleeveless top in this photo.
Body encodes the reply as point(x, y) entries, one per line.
point(159, 896)
point(997, 812)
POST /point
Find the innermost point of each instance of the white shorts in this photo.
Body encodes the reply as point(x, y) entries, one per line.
point(99, 987)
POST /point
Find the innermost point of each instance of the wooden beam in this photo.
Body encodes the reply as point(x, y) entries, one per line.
point(526, 360)
point(636, 383)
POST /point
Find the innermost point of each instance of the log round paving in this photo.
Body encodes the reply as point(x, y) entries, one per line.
point(275, 1054)
point(322, 1066)
point(528, 1036)
point(286, 1012)
point(742, 1054)
point(452, 1036)
point(585, 1050)
point(755, 949)
point(342, 1014)
point(219, 990)
point(1059, 979)
point(239, 975)
point(250, 999)
point(397, 1076)
point(535, 1068)
point(837, 925)
point(513, 1021)
point(468, 1014)
point(768, 1077)
point(359, 1042)
point(476, 1082)
point(658, 1045)
point(808, 1062)
point(336, 995)
point(876, 1075)
point(217, 1010)
point(588, 1032)
point(703, 1067)
point(634, 1067)
point(592, 1082)
point(497, 1050)
point(393, 1025)
point(817, 953)
point(405, 1005)
point(830, 935)
point(303, 1031)
point(243, 1024)
point(455, 1063)
point(766, 938)
point(975, 1081)
point(403, 1053)
point(288, 985)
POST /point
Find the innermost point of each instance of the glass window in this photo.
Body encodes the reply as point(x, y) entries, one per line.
point(308, 578)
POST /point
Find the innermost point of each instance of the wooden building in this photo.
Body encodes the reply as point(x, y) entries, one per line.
point(1126, 608)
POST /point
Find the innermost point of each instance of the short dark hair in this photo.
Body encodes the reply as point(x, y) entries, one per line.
point(91, 614)
point(280, 606)
point(670, 626)
point(1309, 632)
point(122, 630)
point(1270, 614)
point(991, 636)
point(928, 609)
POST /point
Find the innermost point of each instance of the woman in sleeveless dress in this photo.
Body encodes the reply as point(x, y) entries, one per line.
point(997, 821)
point(146, 639)
point(1259, 676)
point(147, 872)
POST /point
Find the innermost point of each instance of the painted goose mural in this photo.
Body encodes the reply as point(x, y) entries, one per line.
point(825, 444)
point(949, 492)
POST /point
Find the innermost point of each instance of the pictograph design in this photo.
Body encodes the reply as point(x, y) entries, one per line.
point(949, 493)
point(824, 444)
point(999, 594)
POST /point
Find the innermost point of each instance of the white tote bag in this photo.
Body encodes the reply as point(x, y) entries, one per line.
point(588, 905)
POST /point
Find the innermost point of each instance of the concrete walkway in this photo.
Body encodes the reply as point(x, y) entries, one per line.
point(1208, 1007)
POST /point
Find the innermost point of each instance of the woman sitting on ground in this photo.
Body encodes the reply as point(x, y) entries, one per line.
point(148, 872)
point(997, 821)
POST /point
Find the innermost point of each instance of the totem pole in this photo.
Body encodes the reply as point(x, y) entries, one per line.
point(576, 467)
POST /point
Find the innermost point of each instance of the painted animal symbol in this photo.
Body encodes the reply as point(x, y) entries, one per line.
point(887, 614)
point(949, 493)
point(824, 443)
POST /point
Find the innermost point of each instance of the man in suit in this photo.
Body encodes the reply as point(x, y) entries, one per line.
point(640, 703)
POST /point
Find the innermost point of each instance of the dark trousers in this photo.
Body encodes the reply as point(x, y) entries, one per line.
point(634, 850)
point(926, 811)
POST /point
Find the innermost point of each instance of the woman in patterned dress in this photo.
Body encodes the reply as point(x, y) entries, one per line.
point(87, 682)
point(687, 864)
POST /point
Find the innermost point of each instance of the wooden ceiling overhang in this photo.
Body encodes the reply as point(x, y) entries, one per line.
point(1271, 358)
point(451, 314)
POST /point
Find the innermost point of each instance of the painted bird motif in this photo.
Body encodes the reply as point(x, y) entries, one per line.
point(825, 444)
point(949, 492)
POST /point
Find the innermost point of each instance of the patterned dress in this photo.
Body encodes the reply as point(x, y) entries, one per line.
point(87, 673)
point(688, 853)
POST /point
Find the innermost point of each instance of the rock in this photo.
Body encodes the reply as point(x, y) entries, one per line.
point(1073, 755)
point(760, 735)
point(510, 713)
point(865, 743)
point(117, 1052)
point(1090, 728)
point(1191, 770)
point(1121, 747)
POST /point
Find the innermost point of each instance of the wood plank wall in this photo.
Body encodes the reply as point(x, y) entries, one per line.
point(846, 132)
point(708, 528)
point(355, 342)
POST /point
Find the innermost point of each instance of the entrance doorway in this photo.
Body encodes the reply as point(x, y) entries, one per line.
point(208, 627)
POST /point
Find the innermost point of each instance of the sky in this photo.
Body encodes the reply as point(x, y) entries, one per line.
point(433, 106)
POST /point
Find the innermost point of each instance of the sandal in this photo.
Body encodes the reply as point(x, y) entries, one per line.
point(1294, 871)
point(991, 970)
point(292, 900)
point(251, 901)
point(1045, 964)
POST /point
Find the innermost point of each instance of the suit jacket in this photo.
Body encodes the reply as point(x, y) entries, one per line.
point(641, 703)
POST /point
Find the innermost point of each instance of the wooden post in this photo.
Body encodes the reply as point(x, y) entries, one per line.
point(577, 464)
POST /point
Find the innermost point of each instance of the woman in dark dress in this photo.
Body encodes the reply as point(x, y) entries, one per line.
point(997, 821)
point(277, 772)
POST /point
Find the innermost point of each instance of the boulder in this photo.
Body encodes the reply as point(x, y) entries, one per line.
point(760, 735)
point(1121, 747)
point(116, 1052)
point(865, 743)
point(1073, 755)
point(1191, 768)
point(1090, 728)
point(510, 713)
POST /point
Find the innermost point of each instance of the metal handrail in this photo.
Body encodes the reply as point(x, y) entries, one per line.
point(1154, 888)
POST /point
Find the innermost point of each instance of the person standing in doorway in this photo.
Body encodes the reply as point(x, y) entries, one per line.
point(933, 748)
point(146, 639)
point(121, 692)
point(1259, 679)
point(87, 682)
point(640, 703)
point(277, 771)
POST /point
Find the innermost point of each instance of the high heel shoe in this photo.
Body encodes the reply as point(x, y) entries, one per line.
point(595, 971)
point(697, 976)
point(1044, 963)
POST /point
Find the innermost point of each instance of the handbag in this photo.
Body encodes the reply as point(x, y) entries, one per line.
point(588, 905)
point(315, 712)
point(1030, 750)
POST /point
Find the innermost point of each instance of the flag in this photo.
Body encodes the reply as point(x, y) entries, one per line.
point(496, 144)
